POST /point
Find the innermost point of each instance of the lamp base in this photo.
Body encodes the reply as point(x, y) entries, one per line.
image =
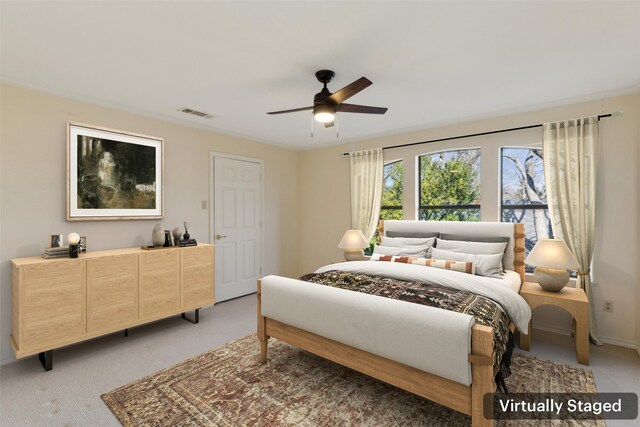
point(551, 279)
point(73, 251)
point(354, 255)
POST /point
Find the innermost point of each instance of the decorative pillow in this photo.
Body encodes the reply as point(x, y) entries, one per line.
point(461, 266)
point(478, 248)
point(414, 251)
point(486, 239)
point(485, 265)
point(407, 242)
point(392, 258)
point(411, 234)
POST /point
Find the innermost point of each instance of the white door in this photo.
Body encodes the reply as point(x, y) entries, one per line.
point(237, 226)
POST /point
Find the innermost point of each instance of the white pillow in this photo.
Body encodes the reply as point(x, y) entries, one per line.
point(486, 265)
point(396, 242)
point(482, 248)
point(414, 251)
point(407, 241)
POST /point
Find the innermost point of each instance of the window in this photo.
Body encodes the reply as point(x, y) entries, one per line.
point(524, 196)
point(449, 184)
point(391, 207)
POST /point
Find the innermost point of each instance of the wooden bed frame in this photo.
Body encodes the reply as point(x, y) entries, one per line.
point(465, 399)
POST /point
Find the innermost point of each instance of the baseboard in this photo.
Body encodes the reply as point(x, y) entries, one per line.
point(606, 340)
point(7, 360)
point(619, 343)
point(554, 329)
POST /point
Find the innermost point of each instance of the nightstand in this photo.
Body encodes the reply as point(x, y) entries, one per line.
point(572, 300)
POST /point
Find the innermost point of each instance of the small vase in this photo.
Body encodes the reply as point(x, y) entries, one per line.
point(157, 237)
point(177, 233)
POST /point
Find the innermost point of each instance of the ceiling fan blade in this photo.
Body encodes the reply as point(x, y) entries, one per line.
point(328, 124)
point(291, 111)
point(350, 90)
point(352, 108)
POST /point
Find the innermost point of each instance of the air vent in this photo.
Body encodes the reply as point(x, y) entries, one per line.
point(196, 113)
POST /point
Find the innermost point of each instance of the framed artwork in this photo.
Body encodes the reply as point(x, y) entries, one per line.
point(82, 245)
point(56, 240)
point(113, 175)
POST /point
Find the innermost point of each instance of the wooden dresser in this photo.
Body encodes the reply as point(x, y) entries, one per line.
point(57, 302)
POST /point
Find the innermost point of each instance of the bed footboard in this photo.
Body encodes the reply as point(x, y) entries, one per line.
point(465, 399)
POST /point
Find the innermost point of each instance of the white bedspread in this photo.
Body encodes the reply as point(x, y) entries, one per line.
point(424, 337)
point(496, 289)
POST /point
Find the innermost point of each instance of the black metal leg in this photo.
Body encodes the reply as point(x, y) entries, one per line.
point(126, 333)
point(196, 317)
point(46, 358)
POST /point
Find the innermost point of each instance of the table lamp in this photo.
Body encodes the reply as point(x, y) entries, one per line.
point(74, 240)
point(353, 242)
point(552, 258)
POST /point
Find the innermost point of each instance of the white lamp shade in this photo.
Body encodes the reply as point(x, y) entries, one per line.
point(353, 239)
point(73, 238)
point(552, 253)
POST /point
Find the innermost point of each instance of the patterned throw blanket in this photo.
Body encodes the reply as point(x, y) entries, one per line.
point(484, 310)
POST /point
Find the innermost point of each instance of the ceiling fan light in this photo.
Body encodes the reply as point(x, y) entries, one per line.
point(324, 117)
point(324, 113)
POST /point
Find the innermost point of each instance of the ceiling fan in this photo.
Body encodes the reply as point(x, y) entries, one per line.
point(327, 104)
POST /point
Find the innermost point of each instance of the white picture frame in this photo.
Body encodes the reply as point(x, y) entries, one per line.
point(113, 175)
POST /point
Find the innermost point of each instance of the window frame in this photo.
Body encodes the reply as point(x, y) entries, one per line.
point(420, 206)
point(401, 207)
point(504, 206)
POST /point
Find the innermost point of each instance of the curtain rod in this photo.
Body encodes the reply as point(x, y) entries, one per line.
point(491, 132)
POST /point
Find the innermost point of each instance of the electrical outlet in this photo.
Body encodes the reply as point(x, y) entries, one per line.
point(607, 306)
point(204, 204)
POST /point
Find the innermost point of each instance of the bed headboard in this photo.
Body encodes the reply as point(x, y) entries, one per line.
point(514, 254)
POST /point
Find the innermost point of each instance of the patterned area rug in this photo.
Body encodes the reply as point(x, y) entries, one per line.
point(228, 387)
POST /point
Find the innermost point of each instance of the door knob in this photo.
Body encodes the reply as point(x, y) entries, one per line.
point(220, 236)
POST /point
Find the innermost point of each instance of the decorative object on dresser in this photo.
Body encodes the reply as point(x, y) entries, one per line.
point(177, 234)
point(113, 174)
point(82, 245)
point(65, 301)
point(574, 301)
point(61, 252)
point(168, 238)
point(157, 235)
point(552, 258)
point(353, 242)
point(74, 240)
point(186, 230)
point(56, 241)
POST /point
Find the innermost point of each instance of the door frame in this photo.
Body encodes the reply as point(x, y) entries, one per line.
point(212, 165)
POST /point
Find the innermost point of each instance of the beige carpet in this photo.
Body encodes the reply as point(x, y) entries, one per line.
point(228, 387)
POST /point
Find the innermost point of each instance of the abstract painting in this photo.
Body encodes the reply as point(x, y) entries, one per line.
point(113, 174)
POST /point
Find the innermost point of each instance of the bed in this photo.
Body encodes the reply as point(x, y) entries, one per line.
point(444, 356)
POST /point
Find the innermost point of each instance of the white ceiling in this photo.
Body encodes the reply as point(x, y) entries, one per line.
point(430, 62)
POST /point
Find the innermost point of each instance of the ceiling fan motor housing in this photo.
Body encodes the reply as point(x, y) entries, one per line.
point(322, 103)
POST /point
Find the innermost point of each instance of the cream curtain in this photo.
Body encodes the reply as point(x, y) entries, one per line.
point(569, 149)
point(367, 169)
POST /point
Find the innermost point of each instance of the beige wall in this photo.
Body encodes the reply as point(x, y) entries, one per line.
point(324, 199)
point(306, 193)
point(33, 176)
